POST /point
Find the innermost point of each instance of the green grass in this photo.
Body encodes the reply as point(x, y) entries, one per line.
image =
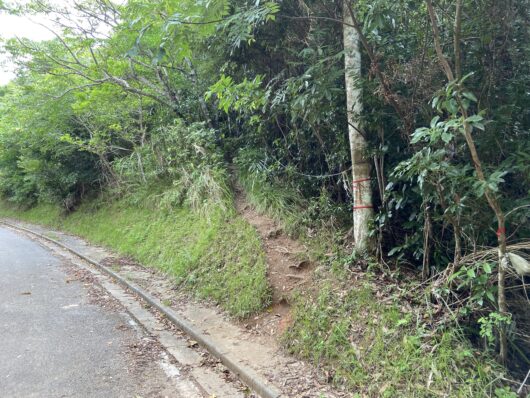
point(383, 350)
point(219, 257)
point(43, 214)
point(279, 202)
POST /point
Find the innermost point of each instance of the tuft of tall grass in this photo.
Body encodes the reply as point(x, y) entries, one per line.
point(203, 189)
point(271, 192)
point(265, 193)
point(281, 203)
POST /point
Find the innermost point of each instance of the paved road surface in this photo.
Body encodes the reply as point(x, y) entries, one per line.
point(54, 342)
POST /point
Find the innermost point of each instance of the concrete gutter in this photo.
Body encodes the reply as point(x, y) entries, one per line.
point(245, 374)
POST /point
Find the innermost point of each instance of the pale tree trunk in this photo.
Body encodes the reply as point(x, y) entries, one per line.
point(362, 192)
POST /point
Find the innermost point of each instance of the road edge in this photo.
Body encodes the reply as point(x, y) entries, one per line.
point(245, 374)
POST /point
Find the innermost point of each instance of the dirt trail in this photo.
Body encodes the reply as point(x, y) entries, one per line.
point(288, 267)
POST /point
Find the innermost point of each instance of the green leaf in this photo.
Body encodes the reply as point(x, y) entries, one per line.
point(394, 250)
point(487, 268)
point(479, 126)
point(474, 119)
point(419, 134)
point(470, 96)
point(434, 121)
point(466, 77)
point(452, 106)
point(490, 296)
point(435, 102)
point(447, 137)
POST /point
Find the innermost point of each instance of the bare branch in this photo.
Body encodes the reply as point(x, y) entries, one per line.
point(457, 38)
point(437, 43)
point(316, 18)
point(66, 46)
point(64, 63)
point(75, 89)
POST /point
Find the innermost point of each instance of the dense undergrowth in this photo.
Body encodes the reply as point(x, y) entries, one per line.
point(217, 257)
point(174, 211)
point(170, 206)
point(379, 346)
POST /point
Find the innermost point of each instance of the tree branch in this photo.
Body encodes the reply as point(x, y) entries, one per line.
point(436, 33)
point(75, 89)
point(457, 38)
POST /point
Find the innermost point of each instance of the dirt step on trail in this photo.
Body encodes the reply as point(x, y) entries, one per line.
point(288, 267)
point(258, 351)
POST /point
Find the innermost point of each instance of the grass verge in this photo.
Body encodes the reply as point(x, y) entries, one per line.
point(218, 258)
point(383, 348)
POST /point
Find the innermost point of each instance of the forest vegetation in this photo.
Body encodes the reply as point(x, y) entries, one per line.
point(392, 137)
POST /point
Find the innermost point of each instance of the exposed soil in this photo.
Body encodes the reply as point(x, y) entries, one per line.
point(288, 268)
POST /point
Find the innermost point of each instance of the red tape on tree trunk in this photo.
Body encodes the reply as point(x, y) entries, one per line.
point(357, 182)
point(362, 207)
point(501, 231)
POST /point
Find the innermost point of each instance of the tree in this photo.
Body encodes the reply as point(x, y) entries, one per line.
point(361, 183)
point(459, 94)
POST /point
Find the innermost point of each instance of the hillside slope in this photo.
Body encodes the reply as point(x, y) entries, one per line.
point(361, 330)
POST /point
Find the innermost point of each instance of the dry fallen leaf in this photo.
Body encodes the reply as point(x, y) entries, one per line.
point(192, 343)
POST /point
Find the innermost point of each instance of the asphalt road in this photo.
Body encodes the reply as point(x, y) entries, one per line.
point(54, 342)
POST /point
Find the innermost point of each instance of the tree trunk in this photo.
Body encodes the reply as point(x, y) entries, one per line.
point(501, 284)
point(490, 196)
point(362, 191)
point(427, 235)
